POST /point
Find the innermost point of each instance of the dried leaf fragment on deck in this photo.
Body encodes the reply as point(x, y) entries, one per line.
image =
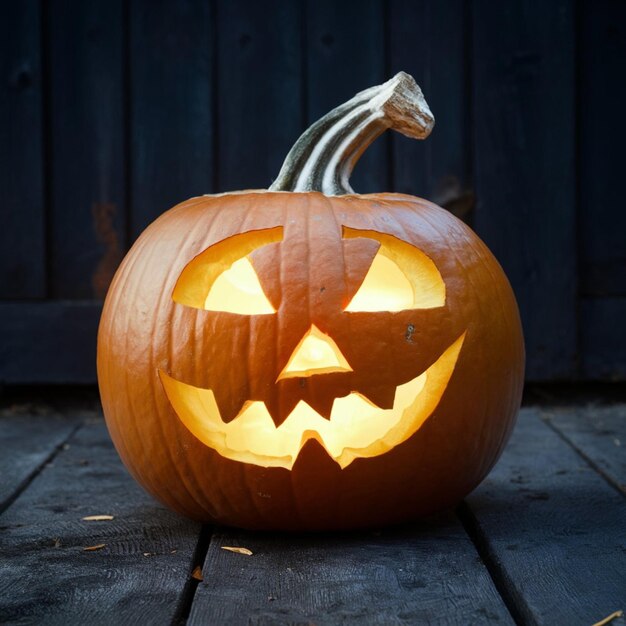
point(97, 518)
point(238, 550)
point(197, 573)
point(609, 618)
point(94, 548)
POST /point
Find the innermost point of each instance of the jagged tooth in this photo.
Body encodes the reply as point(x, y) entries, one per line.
point(355, 399)
point(254, 410)
point(382, 396)
point(322, 405)
point(348, 407)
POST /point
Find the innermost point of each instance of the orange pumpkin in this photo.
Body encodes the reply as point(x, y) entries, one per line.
point(309, 358)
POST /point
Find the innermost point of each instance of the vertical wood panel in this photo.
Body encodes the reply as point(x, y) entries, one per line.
point(171, 102)
point(48, 342)
point(603, 338)
point(22, 236)
point(346, 54)
point(524, 124)
point(428, 40)
point(259, 90)
point(602, 140)
point(88, 219)
point(512, 130)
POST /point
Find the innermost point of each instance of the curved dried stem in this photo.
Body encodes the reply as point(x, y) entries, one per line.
point(325, 154)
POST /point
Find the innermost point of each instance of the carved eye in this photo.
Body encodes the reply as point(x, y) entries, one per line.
point(222, 277)
point(400, 277)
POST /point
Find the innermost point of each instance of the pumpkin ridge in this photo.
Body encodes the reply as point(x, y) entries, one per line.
point(393, 341)
point(113, 302)
point(152, 377)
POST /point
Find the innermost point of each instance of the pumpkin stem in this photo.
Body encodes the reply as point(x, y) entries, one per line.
point(325, 154)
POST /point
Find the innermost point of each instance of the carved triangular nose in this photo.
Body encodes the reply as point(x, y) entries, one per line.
point(316, 353)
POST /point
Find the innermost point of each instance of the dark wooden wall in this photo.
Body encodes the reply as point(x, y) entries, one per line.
point(112, 111)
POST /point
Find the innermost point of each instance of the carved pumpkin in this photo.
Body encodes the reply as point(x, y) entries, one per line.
point(309, 358)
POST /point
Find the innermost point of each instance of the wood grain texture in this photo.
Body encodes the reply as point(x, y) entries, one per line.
point(602, 137)
point(346, 54)
point(598, 433)
point(603, 338)
point(50, 342)
point(171, 64)
point(88, 212)
point(106, 104)
point(27, 443)
point(552, 528)
point(22, 193)
point(138, 577)
point(259, 90)
point(524, 154)
point(424, 574)
point(548, 526)
point(427, 39)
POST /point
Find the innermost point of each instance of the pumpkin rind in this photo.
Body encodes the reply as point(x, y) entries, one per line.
point(318, 249)
point(309, 277)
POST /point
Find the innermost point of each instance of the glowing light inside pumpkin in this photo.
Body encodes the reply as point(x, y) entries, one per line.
point(222, 277)
point(316, 353)
point(238, 290)
point(356, 429)
point(384, 287)
point(400, 277)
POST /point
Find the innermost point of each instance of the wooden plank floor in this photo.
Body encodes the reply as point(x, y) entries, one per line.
point(541, 541)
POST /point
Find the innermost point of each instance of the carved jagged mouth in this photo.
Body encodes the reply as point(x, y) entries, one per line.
point(357, 428)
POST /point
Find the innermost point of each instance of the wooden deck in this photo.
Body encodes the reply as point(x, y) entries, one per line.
point(541, 541)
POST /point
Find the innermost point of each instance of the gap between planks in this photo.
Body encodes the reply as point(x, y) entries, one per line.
point(498, 572)
point(21, 487)
point(189, 592)
point(501, 580)
point(548, 420)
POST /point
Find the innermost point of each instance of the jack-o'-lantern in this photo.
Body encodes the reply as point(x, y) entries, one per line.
point(305, 357)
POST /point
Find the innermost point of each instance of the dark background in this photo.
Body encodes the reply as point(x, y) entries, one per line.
point(111, 112)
